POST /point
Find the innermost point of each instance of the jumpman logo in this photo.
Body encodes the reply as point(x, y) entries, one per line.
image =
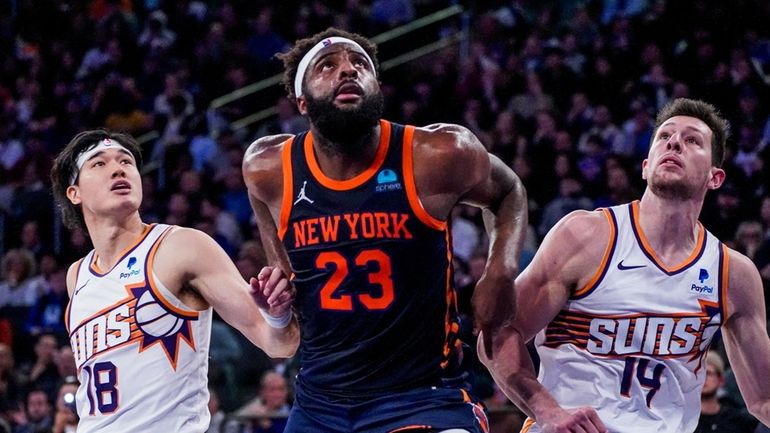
point(301, 196)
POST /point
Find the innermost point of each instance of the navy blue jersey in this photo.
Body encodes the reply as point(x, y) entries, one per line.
point(373, 273)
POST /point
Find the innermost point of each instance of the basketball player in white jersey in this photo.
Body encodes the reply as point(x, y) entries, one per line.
point(623, 302)
point(139, 317)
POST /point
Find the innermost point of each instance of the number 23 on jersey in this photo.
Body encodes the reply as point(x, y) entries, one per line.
point(380, 276)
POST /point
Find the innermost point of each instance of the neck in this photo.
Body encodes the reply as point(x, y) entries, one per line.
point(345, 160)
point(670, 225)
point(111, 236)
point(710, 405)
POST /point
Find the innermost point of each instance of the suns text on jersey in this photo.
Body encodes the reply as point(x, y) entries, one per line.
point(103, 332)
point(651, 335)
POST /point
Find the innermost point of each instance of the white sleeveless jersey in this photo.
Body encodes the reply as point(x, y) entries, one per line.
point(142, 355)
point(631, 343)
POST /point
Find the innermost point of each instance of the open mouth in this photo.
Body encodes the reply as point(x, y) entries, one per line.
point(120, 186)
point(670, 160)
point(349, 90)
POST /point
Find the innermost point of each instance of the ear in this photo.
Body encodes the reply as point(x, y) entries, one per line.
point(302, 105)
point(644, 169)
point(717, 178)
point(73, 194)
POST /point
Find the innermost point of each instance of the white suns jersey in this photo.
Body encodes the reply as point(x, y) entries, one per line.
point(142, 355)
point(631, 343)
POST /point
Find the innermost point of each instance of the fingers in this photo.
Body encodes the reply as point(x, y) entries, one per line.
point(594, 419)
point(272, 287)
point(265, 273)
point(588, 421)
point(580, 420)
point(281, 287)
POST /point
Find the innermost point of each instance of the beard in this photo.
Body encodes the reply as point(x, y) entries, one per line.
point(672, 189)
point(345, 129)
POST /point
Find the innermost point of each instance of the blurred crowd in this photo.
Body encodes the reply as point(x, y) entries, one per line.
point(565, 92)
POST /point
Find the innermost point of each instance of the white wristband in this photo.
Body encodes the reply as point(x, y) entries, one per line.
point(277, 322)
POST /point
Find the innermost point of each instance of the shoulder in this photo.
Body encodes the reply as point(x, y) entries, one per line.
point(184, 251)
point(446, 148)
point(740, 269)
point(583, 229)
point(265, 148)
point(744, 284)
point(72, 275)
point(183, 240)
point(577, 243)
point(448, 138)
point(262, 166)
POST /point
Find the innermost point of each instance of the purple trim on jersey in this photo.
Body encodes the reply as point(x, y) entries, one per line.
point(638, 237)
point(614, 241)
point(141, 241)
point(720, 286)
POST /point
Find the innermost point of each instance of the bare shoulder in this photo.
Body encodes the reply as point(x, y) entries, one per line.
point(575, 246)
point(447, 148)
point(264, 149)
point(262, 167)
point(582, 229)
point(72, 275)
point(744, 284)
point(447, 137)
point(181, 240)
point(183, 252)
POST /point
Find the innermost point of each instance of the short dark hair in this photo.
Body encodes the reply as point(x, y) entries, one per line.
point(292, 57)
point(65, 164)
point(720, 127)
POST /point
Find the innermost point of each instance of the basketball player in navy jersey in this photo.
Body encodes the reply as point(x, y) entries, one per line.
point(356, 209)
point(139, 317)
point(623, 302)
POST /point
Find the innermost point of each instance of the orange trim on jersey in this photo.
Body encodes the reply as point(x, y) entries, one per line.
point(95, 268)
point(605, 260)
point(724, 280)
point(357, 180)
point(411, 187)
point(69, 302)
point(412, 427)
point(288, 186)
point(451, 300)
point(696, 252)
point(528, 423)
point(466, 397)
point(187, 314)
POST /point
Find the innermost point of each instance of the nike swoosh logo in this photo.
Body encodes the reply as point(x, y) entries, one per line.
point(80, 288)
point(625, 268)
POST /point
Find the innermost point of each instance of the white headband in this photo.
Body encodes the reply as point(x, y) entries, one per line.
point(303, 64)
point(90, 152)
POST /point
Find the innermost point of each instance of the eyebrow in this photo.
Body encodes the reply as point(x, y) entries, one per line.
point(101, 152)
point(686, 127)
point(350, 49)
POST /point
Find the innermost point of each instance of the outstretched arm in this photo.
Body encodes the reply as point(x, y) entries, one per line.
point(190, 258)
point(541, 291)
point(745, 335)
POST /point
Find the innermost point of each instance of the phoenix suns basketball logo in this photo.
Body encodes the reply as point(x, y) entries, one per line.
point(141, 317)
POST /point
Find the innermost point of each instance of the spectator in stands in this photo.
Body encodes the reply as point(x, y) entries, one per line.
point(39, 414)
point(11, 381)
point(271, 408)
point(715, 416)
point(19, 287)
point(42, 371)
